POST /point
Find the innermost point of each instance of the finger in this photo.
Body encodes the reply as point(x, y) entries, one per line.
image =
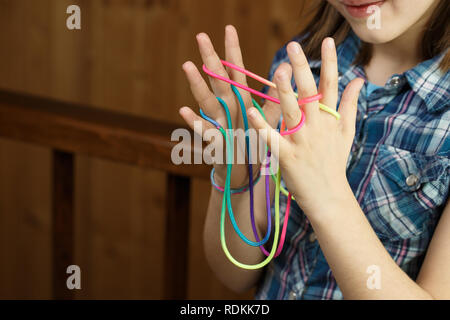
point(194, 121)
point(205, 98)
point(213, 63)
point(233, 54)
point(289, 106)
point(277, 144)
point(304, 79)
point(328, 86)
point(349, 105)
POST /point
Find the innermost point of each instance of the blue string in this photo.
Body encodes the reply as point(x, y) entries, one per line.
point(229, 165)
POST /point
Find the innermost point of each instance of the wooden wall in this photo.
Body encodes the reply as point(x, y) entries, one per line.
point(127, 57)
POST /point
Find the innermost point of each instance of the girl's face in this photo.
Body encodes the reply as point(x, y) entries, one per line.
point(379, 22)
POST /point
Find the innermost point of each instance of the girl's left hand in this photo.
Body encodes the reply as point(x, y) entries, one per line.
point(313, 160)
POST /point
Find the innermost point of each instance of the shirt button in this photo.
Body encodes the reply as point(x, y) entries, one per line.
point(412, 180)
point(292, 295)
point(312, 237)
point(394, 82)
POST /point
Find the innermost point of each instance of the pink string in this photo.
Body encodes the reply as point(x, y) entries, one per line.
point(301, 102)
point(296, 128)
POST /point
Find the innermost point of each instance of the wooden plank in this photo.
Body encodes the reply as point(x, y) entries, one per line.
point(62, 222)
point(177, 237)
point(91, 131)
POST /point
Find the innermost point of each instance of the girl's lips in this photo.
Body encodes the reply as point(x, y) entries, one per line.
point(360, 10)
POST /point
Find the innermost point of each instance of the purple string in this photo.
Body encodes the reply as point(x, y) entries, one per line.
point(269, 211)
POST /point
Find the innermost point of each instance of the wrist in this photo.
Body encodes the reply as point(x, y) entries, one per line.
point(322, 205)
point(237, 181)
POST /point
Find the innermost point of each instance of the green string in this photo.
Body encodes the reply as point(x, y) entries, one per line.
point(226, 200)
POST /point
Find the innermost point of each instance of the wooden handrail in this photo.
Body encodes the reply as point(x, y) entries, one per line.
point(91, 131)
point(70, 129)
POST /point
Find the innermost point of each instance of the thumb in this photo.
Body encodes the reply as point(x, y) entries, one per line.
point(194, 121)
point(277, 144)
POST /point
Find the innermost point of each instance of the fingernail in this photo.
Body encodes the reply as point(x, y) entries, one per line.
point(182, 109)
point(282, 75)
point(330, 43)
point(295, 48)
point(252, 113)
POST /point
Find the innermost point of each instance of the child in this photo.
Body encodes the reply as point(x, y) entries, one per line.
point(370, 218)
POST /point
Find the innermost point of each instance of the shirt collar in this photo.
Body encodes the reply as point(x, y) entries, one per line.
point(430, 83)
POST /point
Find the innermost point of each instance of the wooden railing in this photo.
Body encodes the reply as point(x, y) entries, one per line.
point(70, 129)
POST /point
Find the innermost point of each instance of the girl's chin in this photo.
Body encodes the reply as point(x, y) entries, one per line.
point(375, 36)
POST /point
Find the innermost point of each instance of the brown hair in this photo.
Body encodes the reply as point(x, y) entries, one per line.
point(328, 22)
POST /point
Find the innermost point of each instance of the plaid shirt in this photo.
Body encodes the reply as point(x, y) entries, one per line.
point(398, 170)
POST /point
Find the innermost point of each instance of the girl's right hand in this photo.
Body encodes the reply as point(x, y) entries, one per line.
point(208, 102)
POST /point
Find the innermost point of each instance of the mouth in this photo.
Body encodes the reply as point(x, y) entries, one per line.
point(358, 8)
